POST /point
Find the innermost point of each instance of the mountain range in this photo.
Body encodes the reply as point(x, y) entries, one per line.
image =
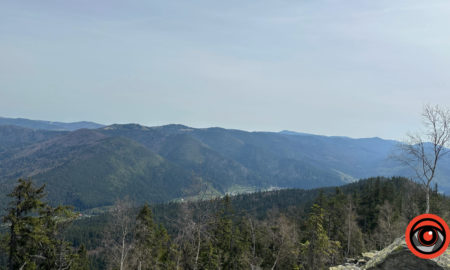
point(93, 165)
point(47, 125)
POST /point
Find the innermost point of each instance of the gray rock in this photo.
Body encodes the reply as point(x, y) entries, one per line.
point(398, 256)
point(369, 255)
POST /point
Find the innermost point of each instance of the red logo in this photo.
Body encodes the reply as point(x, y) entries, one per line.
point(427, 236)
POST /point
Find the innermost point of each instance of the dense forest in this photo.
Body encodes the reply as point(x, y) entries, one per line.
point(283, 229)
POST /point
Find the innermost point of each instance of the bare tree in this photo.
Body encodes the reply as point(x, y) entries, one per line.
point(186, 233)
point(119, 236)
point(254, 260)
point(350, 224)
point(282, 239)
point(192, 225)
point(422, 151)
point(390, 225)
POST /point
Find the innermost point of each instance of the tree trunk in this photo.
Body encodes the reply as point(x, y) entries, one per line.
point(12, 247)
point(428, 199)
point(253, 240)
point(122, 255)
point(23, 265)
point(198, 250)
point(274, 263)
point(276, 259)
point(13, 237)
point(349, 229)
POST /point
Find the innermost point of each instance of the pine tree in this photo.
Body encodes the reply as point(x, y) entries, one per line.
point(80, 259)
point(226, 247)
point(145, 239)
point(152, 249)
point(222, 240)
point(34, 229)
point(165, 250)
point(319, 249)
point(26, 228)
point(4, 240)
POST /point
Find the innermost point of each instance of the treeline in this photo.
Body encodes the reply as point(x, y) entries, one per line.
point(285, 229)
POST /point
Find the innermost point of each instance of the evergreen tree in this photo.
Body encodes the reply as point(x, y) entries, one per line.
point(3, 251)
point(225, 248)
point(152, 249)
point(81, 260)
point(34, 230)
point(25, 228)
point(145, 239)
point(165, 250)
point(223, 235)
point(319, 249)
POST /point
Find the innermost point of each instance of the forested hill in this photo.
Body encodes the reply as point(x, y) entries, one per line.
point(368, 196)
point(90, 168)
point(278, 225)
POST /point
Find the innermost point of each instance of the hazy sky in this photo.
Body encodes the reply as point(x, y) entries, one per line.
point(359, 68)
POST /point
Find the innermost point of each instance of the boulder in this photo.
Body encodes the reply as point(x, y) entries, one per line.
point(398, 256)
point(369, 255)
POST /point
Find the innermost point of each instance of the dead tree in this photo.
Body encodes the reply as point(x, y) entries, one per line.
point(119, 235)
point(192, 224)
point(422, 151)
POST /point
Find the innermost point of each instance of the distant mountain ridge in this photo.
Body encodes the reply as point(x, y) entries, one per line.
point(48, 125)
point(92, 167)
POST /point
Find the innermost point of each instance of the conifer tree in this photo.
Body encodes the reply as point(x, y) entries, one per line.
point(319, 249)
point(25, 228)
point(80, 261)
point(34, 230)
point(145, 239)
point(151, 247)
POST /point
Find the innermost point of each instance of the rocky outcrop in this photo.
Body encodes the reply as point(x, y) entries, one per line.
point(398, 256)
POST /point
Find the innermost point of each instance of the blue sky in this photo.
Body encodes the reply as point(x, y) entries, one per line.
point(357, 68)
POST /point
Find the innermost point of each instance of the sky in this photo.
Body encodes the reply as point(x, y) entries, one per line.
point(358, 68)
